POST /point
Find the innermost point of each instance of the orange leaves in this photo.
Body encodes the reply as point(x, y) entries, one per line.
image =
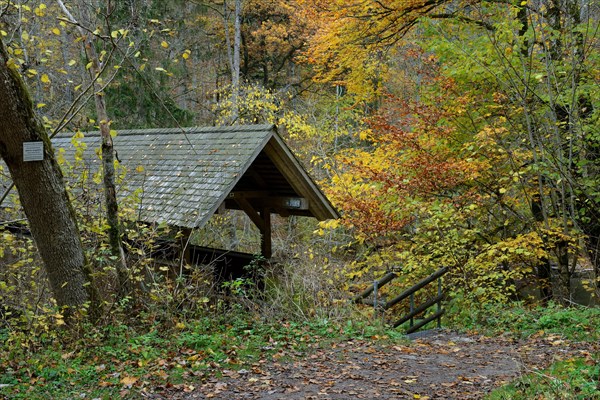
point(411, 158)
point(352, 43)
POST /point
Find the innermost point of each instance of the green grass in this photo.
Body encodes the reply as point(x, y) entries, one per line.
point(116, 361)
point(578, 378)
point(574, 323)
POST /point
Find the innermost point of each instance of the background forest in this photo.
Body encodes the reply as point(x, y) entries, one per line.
point(459, 134)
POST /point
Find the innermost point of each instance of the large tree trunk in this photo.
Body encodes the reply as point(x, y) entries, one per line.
point(42, 192)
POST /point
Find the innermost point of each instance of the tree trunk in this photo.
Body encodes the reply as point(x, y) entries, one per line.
point(564, 294)
point(42, 193)
point(544, 270)
point(108, 157)
point(233, 53)
point(237, 40)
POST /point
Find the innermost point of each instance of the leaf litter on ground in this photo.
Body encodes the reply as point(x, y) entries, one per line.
point(439, 365)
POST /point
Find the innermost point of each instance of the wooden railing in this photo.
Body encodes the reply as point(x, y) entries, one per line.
point(415, 310)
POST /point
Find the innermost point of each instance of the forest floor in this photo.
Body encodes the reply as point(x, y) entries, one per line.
point(433, 365)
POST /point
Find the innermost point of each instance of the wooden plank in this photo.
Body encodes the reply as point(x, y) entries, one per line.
point(424, 322)
point(418, 310)
point(251, 212)
point(420, 285)
point(261, 199)
point(248, 194)
point(385, 279)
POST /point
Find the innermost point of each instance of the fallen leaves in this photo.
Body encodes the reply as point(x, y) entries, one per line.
point(442, 366)
point(128, 381)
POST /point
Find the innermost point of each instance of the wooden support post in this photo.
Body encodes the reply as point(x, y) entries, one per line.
point(262, 220)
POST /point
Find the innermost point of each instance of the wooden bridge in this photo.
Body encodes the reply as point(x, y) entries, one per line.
point(415, 310)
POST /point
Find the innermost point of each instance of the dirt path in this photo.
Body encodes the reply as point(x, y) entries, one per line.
point(438, 365)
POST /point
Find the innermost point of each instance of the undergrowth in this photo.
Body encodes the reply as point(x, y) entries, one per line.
point(118, 360)
point(579, 323)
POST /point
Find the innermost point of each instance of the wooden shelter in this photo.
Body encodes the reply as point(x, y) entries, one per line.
point(184, 176)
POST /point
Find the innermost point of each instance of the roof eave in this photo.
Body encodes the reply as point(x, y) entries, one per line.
point(283, 158)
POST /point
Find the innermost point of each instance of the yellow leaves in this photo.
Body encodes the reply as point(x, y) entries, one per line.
point(364, 134)
point(121, 32)
point(330, 224)
point(56, 31)
point(129, 381)
point(557, 234)
point(45, 79)
point(59, 319)
point(327, 225)
point(11, 64)
point(186, 54)
point(160, 69)
point(346, 50)
point(25, 36)
point(164, 45)
point(40, 10)
point(139, 169)
point(71, 63)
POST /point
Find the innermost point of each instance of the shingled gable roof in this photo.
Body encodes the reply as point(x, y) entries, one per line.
point(187, 174)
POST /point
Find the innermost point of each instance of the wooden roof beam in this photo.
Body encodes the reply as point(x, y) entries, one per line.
point(251, 212)
point(262, 221)
point(261, 200)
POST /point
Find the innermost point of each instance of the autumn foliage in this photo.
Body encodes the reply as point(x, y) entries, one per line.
point(408, 152)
